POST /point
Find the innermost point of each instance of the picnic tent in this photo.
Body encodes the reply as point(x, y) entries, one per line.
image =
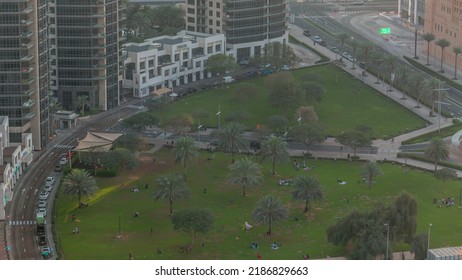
point(100, 140)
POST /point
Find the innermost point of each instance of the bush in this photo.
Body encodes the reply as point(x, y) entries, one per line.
point(422, 158)
point(354, 157)
point(444, 132)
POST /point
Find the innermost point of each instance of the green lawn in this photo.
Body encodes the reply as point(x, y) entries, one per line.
point(99, 223)
point(347, 104)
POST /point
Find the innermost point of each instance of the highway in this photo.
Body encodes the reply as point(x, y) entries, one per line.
point(20, 227)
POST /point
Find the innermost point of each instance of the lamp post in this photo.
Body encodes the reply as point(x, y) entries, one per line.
point(299, 119)
point(415, 44)
point(439, 89)
point(218, 115)
point(428, 240)
point(199, 135)
point(388, 238)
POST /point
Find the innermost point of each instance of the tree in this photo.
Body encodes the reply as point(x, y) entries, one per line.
point(245, 91)
point(279, 54)
point(278, 123)
point(285, 93)
point(232, 140)
point(82, 102)
point(184, 151)
point(306, 114)
point(275, 150)
point(313, 91)
point(402, 215)
point(419, 246)
point(221, 64)
point(354, 44)
point(457, 51)
point(436, 150)
point(79, 182)
point(269, 210)
point(171, 187)
point(429, 37)
point(140, 121)
point(417, 87)
point(193, 221)
point(179, 123)
point(354, 139)
point(366, 49)
point(445, 174)
point(309, 134)
point(342, 38)
point(442, 43)
point(390, 63)
point(433, 91)
point(53, 107)
point(402, 78)
point(307, 188)
point(130, 141)
point(369, 171)
point(246, 173)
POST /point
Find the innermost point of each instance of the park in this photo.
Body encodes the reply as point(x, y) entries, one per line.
point(121, 223)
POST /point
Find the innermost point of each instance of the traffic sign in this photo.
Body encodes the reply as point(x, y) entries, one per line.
point(384, 31)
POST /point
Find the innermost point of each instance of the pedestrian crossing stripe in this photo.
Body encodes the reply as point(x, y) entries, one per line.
point(21, 223)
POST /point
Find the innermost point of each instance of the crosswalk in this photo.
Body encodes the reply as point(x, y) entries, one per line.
point(21, 223)
point(68, 147)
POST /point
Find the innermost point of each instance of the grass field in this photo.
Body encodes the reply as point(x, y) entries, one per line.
point(99, 223)
point(346, 104)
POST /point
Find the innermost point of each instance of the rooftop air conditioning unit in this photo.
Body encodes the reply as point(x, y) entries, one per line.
point(155, 45)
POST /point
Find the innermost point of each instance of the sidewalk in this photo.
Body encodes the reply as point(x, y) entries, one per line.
point(386, 149)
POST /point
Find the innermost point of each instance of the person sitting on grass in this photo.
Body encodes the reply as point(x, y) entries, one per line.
point(340, 182)
point(275, 245)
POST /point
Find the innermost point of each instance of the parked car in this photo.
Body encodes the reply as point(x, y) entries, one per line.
point(307, 33)
point(345, 55)
point(48, 188)
point(285, 68)
point(334, 49)
point(317, 39)
point(50, 181)
point(358, 2)
point(43, 195)
point(323, 43)
point(45, 252)
point(58, 168)
point(42, 203)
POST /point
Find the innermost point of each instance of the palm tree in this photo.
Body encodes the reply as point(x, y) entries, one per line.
point(417, 86)
point(232, 140)
point(457, 51)
point(53, 107)
point(442, 43)
point(366, 49)
point(402, 78)
point(429, 37)
point(391, 62)
point(79, 182)
point(369, 171)
point(82, 101)
point(184, 151)
point(171, 187)
point(436, 150)
point(432, 91)
point(269, 210)
point(246, 173)
point(342, 38)
point(274, 149)
point(307, 188)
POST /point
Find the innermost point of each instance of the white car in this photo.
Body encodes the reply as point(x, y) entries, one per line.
point(50, 181)
point(48, 188)
point(317, 39)
point(43, 195)
point(42, 211)
point(63, 161)
point(42, 204)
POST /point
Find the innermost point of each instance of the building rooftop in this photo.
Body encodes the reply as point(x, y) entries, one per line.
point(8, 151)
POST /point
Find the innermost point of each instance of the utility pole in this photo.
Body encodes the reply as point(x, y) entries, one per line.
point(415, 44)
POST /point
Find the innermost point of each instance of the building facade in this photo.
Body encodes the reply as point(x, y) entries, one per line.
point(443, 18)
point(412, 11)
point(248, 25)
point(84, 39)
point(24, 72)
point(169, 61)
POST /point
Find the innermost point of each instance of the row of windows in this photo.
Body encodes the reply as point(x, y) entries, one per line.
point(448, 32)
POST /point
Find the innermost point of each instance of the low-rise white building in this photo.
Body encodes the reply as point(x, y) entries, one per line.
point(169, 61)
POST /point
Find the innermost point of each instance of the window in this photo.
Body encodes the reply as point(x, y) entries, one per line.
point(210, 31)
point(191, 11)
point(185, 55)
point(142, 66)
point(218, 23)
point(198, 64)
point(210, 4)
point(144, 80)
point(217, 48)
point(218, 5)
point(167, 72)
point(218, 14)
point(210, 13)
point(210, 22)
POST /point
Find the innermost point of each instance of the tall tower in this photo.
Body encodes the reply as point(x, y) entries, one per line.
point(24, 73)
point(84, 37)
point(248, 25)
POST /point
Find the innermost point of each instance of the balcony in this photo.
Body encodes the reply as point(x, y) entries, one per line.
point(27, 69)
point(26, 34)
point(27, 57)
point(27, 81)
point(28, 92)
point(27, 45)
point(29, 116)
point(29, 103)
point(26, 10)
point(25, 22)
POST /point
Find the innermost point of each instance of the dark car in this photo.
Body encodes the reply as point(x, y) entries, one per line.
point(307, 33)
point(323, 43)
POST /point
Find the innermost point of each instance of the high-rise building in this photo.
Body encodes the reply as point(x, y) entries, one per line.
point(84, 39)
point(248, 25)
point(24, 73)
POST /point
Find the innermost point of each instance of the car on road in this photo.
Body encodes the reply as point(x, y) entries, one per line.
point(42, 211)
point(58, 168)
point(334, 49)
point(50, 181)
point(358, 2)
point(345, 55)
point(323, 43)
point(63, 161)
point(45, 252)
point(317, 39)
point(43, 195)
point(307, 33)
point(48, 188)
point(42, 203)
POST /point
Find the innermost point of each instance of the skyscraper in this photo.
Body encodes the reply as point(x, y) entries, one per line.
point(24, 73)
point(248, 25)
point(84, 39)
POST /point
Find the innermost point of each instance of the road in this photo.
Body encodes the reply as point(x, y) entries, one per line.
point(20, 227)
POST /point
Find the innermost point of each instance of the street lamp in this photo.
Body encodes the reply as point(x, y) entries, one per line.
point(199, 135)
point(439, 89)
point(388, 238)
point(299, 119)
point(428, 240)
point(415, 44)
point(218, 115)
